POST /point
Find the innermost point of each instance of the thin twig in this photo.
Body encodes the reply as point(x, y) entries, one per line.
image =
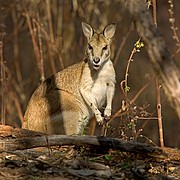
point(121, 46)
point(155, 13)
point(122, 87)
point(141, 91)
point(3, 78)
point(17, 105)
point(136, 48)
point(16, 44)
point(173, 26)
point(142, 127)
point(51, 35)
point(127, 73)
point(51, 46)
point(158, 86)
point(121, 111)
point(146, 118)
point(40, 49)
point(14, 95)
point(159, 111)
point(36, 49)
point(35, 45)
point(50, 20)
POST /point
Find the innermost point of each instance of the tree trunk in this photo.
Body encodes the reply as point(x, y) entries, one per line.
point(163, 64)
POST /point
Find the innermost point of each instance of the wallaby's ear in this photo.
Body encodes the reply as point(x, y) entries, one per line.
point(87, 30)
point(109, 31)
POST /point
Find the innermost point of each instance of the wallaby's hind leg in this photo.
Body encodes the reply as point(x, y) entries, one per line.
point(56, 113)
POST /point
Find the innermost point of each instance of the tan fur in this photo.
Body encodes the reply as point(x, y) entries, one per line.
point(65, 102)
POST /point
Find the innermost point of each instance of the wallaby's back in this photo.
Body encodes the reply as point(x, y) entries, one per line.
point(66, 80)
point(51, 98)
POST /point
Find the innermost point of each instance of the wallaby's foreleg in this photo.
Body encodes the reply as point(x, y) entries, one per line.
point(110, 95)
point(91, 102)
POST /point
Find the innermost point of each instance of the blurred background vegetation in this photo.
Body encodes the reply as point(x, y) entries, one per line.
point(41, 37)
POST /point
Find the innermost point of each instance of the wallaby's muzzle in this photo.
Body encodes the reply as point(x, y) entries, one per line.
point(96, 62)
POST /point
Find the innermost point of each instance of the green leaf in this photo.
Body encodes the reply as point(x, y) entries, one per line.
point(139, 44)
point(108, 157)
point(127, 88)
point(129, 125)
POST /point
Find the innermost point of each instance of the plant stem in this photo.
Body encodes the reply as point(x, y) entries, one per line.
point(158, 86)
point(3, 76)
point(127, 73)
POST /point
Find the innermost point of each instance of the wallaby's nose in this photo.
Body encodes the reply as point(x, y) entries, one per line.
point(96, 60)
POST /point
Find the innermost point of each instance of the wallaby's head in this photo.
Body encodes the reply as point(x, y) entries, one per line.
point(98, 44)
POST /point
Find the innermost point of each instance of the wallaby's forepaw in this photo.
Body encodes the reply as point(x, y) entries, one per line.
point(99, 119)
point(107, 114)
point(107, 118)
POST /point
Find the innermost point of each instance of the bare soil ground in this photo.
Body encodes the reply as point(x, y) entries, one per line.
point(70, 162)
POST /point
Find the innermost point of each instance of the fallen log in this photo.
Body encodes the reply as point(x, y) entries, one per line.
point(19, 139)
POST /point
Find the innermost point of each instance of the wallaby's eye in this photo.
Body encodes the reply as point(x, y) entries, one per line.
point(104, 48)
point(90, 47)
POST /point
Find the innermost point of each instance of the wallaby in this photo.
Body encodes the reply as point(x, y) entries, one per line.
point(65, 102)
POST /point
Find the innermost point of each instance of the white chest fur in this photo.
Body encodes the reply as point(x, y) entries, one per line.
point(105, 76)
point(94, 85)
